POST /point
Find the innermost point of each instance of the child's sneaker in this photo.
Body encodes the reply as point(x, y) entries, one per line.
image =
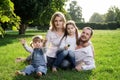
point(20, 73)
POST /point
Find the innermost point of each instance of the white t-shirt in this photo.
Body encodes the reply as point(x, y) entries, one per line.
point(68, 41)
point(85, 55)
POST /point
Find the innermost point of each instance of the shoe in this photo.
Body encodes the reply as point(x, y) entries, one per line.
point(20, 73)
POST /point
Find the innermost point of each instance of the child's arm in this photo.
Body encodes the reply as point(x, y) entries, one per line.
point(26, 47)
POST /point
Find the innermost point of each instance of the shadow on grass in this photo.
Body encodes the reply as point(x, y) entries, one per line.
point(60, 75)
point(13, 36)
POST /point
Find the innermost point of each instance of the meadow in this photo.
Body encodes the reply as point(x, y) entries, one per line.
point(107, 58)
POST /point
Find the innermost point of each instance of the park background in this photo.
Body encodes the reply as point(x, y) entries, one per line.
point(26, 18)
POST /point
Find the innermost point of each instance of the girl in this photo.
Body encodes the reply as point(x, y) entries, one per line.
point(67, 45)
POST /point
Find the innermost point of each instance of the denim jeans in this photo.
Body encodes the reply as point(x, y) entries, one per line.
point(65, 54)
point(30, 69)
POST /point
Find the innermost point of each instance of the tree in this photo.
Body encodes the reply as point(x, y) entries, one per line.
point(96, 17)
point(54, 5)
point(113, 14)
point(36, 12)
point(75, 12)
point(8, 18)
point(29, 11)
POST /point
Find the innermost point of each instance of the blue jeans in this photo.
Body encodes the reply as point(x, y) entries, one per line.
point(30, 69)
point(65, 54)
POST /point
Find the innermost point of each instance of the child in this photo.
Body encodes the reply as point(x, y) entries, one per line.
point(67, 46)
point(38, 62)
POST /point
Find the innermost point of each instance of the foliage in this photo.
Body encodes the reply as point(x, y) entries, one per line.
point(2, 32)
point(37, 12)
point(106, 45)
point(7, 16)
point(103, 26)
point(75, 12)
point(96, 18)
point(53, 6)
point(113, 14)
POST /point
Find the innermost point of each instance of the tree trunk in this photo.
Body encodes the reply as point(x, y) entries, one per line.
point(22, 29)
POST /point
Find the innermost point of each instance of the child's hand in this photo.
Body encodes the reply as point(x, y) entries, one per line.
point(66, 47)
point(23, 41)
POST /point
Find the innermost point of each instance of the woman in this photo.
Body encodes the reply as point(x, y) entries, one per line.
point(54, 35)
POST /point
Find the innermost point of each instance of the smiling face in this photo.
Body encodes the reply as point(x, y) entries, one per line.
point(85, 35)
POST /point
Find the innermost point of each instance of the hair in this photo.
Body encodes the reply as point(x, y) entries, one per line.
point(56, 14)
point(71, 22)
point(89, 28)
point(37, 38)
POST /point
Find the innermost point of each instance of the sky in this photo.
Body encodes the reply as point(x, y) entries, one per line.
point(91, 6)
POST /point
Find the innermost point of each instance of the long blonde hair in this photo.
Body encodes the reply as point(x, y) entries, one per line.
point(57, 14)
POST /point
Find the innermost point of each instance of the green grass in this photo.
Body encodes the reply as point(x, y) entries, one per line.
point(107, 57)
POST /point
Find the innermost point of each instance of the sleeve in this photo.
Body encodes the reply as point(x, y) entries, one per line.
point(27, 48)
point(45, 56)
point(88, 67)
point(44, 49)
point(47, 38)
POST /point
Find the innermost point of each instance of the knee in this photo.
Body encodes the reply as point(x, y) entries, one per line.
point(65, 64)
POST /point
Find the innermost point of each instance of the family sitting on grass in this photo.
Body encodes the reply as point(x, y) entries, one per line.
point(64, 47)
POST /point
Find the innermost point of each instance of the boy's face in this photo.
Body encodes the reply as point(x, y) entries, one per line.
point(37, 44)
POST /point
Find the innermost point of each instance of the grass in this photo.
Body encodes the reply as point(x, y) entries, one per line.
point(107, 53)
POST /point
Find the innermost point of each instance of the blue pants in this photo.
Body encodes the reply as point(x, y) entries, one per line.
point(61, 55)
point(30, 69)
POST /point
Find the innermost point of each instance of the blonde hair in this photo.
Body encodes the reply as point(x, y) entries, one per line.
point(56, 14)
point(37, 38)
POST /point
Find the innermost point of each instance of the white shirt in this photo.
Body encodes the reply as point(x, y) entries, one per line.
point(68, 41)
point(85, 55)
point(53, 41)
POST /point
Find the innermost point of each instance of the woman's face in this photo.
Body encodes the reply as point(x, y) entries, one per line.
point(58, 22)
point(70, 29)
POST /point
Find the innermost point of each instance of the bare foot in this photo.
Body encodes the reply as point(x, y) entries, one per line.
point(54, 69)
point(20, 73)
point(39, 74)
point(78, 68)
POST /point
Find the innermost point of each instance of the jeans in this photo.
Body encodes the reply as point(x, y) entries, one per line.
point(65, 54)
point(30, 69)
